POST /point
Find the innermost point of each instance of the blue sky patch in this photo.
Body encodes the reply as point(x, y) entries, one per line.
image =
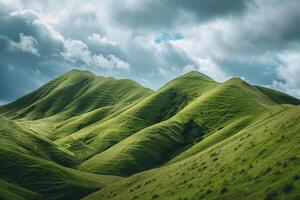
point(163, 37)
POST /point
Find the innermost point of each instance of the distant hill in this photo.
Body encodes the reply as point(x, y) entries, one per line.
point(194, 138)
point(74, 93)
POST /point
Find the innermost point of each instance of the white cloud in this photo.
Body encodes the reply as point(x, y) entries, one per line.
point(111, 62)
point(38, 20)
point(98, 39)
point(26, 44)
point(208, 67)
point(145, 80)
point(162, 72)
point(188, 68)
point(76, 50)
point(55, 35)
point(288, 71)
point(255, 36)
point(29, 13)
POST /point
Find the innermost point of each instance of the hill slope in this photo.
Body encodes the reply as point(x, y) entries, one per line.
point(28, 166)
point(278, 97)
point(10, 191)
point(74, 93)
point(207, 139)
point(208, 109)
point(15, 137)
point(260, 162)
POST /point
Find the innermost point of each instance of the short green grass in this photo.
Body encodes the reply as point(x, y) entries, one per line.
point(47, 178)
point(210, 109)
point(10, 191)
point(31, 161)
point(198, 139)
point(261, 162)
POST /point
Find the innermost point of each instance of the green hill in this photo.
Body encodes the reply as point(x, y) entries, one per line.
point(10, 191)
point(208, 140)
point(28, 160)
point(17, 138)
point(259, 162)
point(50, 180)
point(74, 93)
point(207, 109)
point(278, 97)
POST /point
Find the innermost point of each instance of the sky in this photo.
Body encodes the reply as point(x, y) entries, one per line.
point(150, 41)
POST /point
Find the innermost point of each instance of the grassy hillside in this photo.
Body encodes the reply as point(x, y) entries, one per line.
point(74, 93)
point(259, 162)
point(278, 97)
point(9, 191)
point(208, 140)
point(198, 122)
point(28, 163)
point(50, 180)
point(15, 137)
point(155, 108)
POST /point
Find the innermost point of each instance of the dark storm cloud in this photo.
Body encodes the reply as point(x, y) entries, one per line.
point(175, 57)
point(249, 71)
point(100, 45)
point(72, 26)
point(265, 39)
point(147, 63)
point(168, 13)
point(26, 43)
point(32, 51)
point(150, 41)
point(271, 26)
point(12, 83)
point(15, 23)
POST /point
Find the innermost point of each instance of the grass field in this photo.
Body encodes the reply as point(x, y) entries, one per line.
point(92, 137)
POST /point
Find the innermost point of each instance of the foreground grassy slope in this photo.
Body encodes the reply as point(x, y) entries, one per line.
point(259, 162)
point(9, 191)
point(49, 179)
point(28, 170)
point(15, 137)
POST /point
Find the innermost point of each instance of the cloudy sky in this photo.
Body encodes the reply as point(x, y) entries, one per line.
point(150, 41)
